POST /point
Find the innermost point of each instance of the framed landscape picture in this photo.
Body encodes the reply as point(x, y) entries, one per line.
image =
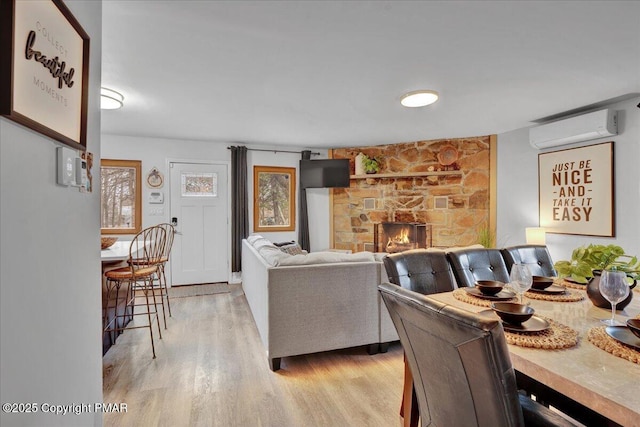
point(44, 79)
point(576, 191)
point(274, 198)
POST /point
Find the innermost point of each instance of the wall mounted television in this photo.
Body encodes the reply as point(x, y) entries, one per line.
point(324, 173)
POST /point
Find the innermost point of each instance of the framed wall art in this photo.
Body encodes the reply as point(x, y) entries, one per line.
point(44, 79)
point(274, 198)
point(576, 191)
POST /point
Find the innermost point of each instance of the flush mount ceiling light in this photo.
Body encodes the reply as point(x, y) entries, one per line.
point(419, 98)
point(110, 99)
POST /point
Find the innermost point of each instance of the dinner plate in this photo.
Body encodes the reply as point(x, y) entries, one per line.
point(551, 290)
point(624, 335)
point(535, 324)
point(500, 296)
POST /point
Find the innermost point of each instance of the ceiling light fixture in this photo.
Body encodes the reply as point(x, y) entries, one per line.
point(419, 98)
point(110, 99)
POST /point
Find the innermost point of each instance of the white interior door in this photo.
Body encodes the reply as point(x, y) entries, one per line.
point(199, 209)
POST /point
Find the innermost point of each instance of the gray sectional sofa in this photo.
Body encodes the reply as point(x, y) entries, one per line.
point(314, 302)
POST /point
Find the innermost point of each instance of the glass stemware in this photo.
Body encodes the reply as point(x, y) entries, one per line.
point(520, 279)
point(613, 286)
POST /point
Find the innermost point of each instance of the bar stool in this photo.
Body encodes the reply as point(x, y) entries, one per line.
point(138, 276)
point(170, 234)
point(158, 236)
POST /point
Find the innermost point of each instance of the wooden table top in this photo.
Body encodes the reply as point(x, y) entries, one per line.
point(597, 379)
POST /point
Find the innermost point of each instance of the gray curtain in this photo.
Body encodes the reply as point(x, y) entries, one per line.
point(303, 232)
point(239, 205)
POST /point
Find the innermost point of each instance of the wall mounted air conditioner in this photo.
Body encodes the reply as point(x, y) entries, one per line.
point(598, 124)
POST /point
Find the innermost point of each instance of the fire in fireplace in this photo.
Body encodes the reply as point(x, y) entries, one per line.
point(392, 237)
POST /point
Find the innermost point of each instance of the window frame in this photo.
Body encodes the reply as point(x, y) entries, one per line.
point(257, 170)
point(137, 217)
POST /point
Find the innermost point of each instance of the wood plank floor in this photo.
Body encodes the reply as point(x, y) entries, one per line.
point(211, 370)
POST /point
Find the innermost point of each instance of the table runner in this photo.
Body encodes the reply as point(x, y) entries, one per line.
point(598, 336)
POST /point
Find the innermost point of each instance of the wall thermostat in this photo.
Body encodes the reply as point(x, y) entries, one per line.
point(66, 166)
point(156, 197)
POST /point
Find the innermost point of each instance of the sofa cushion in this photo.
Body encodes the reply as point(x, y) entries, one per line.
point(326, 258)
point(252, 239)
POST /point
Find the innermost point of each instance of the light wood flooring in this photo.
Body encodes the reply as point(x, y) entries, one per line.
point(211, 370)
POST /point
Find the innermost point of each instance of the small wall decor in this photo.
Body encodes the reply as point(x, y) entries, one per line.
point(576, 191)
point(155, 179)
point(44, 76)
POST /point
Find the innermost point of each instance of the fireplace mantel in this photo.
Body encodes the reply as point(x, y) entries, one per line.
point(404, 174)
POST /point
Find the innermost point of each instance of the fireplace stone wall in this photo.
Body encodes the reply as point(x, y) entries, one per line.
point(456, 205)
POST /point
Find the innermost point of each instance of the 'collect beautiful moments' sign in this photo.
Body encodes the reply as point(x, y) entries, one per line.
point(44, 82)
point(576, 190)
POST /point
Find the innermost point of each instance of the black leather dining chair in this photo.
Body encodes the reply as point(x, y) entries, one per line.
point(425, 272)
point(536, 257)
point(462, 371)
point(472, 264)
point(420, 270)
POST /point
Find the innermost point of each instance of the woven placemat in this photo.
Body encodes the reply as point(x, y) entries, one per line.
point(598, 336)
point(568, 296)
point(556, 337)
point(572, 285)
point(462, 295)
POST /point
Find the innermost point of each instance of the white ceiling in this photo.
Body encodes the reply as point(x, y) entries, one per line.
point(326, 74)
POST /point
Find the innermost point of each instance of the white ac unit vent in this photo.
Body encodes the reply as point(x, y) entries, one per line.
point(598, 124)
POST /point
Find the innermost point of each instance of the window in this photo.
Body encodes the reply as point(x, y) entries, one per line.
point(199, 184)
point(274, 200)
point(120, 197)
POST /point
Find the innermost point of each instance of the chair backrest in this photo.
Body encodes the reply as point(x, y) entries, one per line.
point(537, 257)
point(420, 270)
point(147, 247)
point(473, 264)
point(461, 369)
point(170, 231)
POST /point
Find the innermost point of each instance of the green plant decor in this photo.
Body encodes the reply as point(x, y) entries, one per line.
point(586, 259)
point(371, 164)
point(486, 237)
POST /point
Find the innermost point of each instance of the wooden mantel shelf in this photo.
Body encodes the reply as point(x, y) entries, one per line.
point(404, 174)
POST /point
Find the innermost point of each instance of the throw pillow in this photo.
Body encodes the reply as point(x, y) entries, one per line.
point(292, 249)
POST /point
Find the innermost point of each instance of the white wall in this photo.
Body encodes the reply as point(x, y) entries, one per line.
point(518, 187)
point(50, 285)
point(157, 152)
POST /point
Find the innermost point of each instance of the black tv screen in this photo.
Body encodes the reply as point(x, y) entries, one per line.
point(325, 173)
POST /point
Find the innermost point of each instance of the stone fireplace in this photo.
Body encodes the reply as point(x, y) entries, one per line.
point(392, 237)
point(415, 186)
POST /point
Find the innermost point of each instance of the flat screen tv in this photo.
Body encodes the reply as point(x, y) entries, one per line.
point(325, 173)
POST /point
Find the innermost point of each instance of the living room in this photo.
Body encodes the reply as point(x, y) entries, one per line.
point(50, 293)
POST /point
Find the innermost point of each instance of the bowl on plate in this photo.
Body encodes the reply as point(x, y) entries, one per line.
point(634, 325)
point(107, 242)
point(489, 287)
point(512, 312)
point(541, 282)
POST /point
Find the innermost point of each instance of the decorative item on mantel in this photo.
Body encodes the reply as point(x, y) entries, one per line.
point(447, 157)
point(359, 163)
point(371, 164)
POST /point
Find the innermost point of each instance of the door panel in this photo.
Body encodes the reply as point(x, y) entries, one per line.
point(199, 203)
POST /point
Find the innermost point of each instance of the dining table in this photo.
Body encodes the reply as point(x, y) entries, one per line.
point(117, 252)
point(603, 382)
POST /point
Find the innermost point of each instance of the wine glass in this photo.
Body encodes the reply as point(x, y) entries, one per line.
point(614, 287)
point(520, 279)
